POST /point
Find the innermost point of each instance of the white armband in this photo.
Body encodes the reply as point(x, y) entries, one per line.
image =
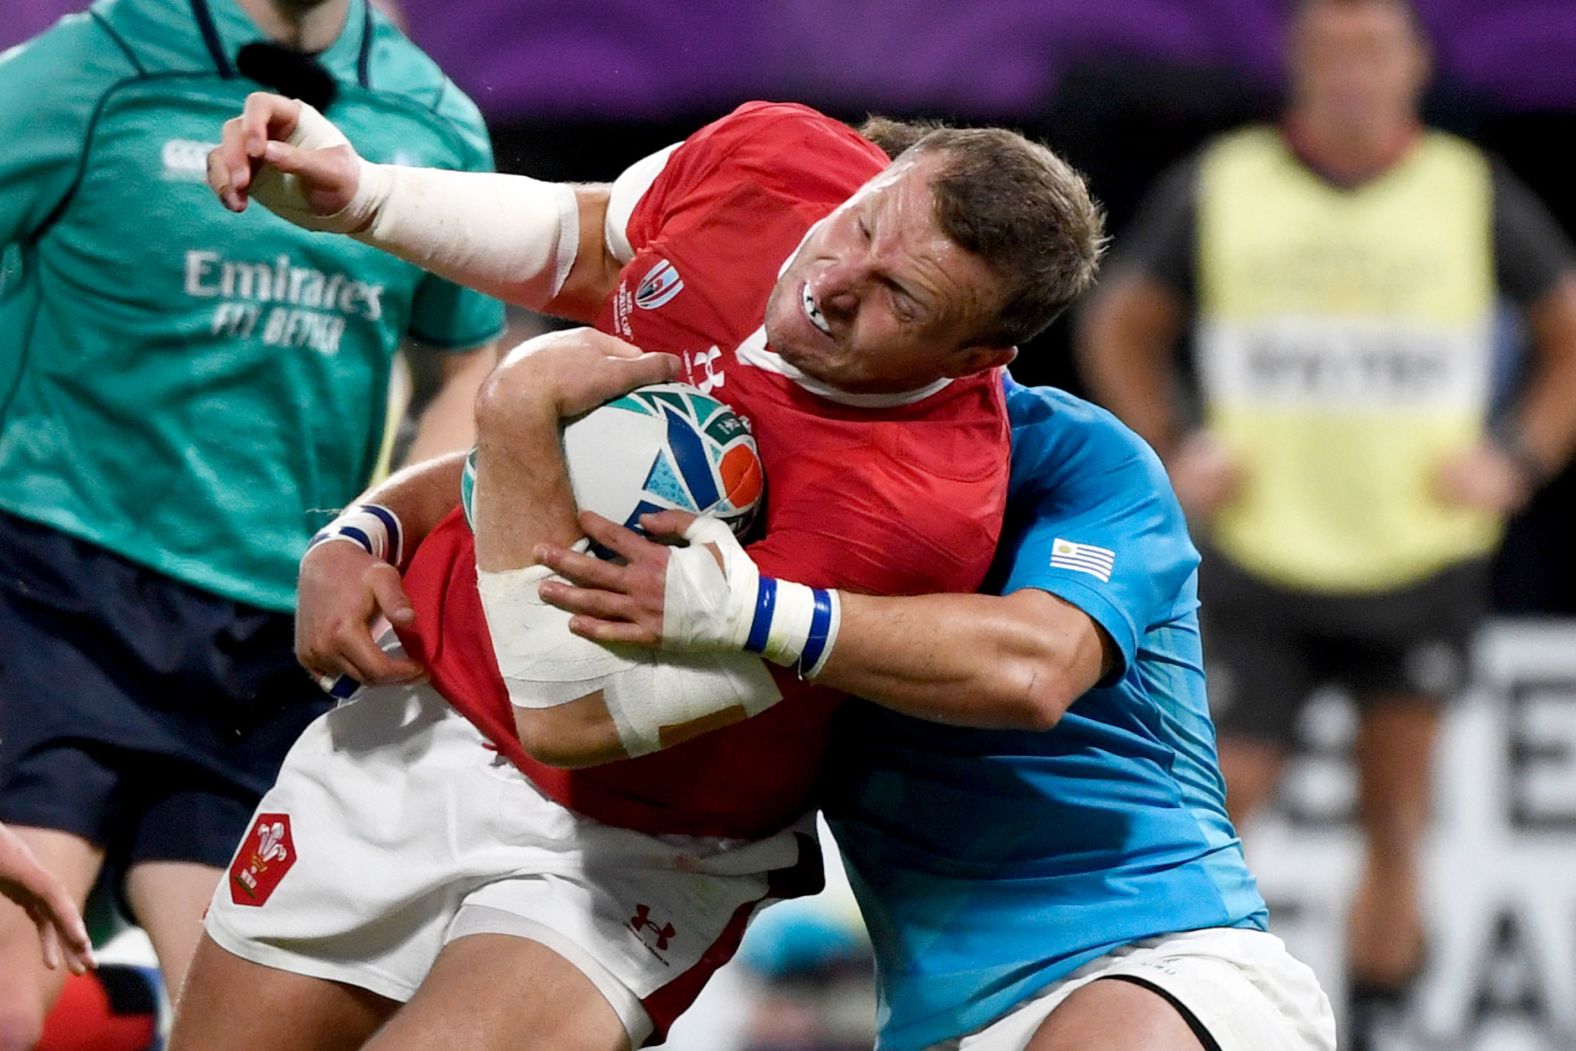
point(733, 607)
point(509, 235)
point(372, 527)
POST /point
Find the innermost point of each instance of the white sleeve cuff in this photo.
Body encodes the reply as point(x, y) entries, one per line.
point(627, 191)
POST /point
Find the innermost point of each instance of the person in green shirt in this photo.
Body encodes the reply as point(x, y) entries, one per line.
point(185, 397)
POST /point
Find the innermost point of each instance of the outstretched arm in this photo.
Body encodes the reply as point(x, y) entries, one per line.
point(537, 244)
point(1015, 661)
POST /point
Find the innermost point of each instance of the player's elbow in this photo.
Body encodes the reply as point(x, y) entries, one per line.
point(1043, 694)
point(569, 736)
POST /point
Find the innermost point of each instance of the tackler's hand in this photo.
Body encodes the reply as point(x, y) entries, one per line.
point(695, 592)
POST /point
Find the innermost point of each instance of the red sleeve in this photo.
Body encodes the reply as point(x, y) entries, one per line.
point(808, 159)
point(907, 504)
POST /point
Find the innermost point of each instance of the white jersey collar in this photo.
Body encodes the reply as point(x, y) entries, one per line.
point(754, 351)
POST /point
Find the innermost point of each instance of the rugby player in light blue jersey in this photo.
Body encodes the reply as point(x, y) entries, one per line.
point(1034, 820)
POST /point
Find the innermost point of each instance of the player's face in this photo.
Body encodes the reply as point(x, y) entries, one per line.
point(1358, 66)
point(878, 299)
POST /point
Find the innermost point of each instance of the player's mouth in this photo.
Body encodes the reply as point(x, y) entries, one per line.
point(813, 312)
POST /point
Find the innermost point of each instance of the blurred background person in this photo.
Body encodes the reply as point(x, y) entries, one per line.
point(185, 396)
point(1340, 274)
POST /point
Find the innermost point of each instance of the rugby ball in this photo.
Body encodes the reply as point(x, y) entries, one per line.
point(658, 448)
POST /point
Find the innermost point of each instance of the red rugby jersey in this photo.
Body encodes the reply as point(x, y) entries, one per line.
point(893, 499)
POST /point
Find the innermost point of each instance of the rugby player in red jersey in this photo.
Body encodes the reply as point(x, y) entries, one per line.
point(857, 316)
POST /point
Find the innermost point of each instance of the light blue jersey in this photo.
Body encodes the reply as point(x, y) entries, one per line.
point(988, 863)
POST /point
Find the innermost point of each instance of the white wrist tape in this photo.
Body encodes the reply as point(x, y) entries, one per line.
point(373, 527)
point(544, 665)
point(733, 607)
point(509, 235)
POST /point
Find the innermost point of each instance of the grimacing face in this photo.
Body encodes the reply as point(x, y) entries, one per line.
point(1361, 66)
point(878, 299)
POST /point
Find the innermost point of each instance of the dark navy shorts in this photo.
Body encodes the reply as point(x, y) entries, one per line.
point(1267, 649)
point(144, 715)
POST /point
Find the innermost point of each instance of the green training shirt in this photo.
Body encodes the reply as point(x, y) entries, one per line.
point(195, 390)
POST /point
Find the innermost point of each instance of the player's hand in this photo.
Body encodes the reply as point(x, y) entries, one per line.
point(340, 591)
point(567, 373)
point(612, 602)
point(44, 898)
point(1205, 475)
point(1484, 478)
point(289, 156)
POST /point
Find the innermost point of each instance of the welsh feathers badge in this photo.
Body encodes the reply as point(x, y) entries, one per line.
point(265, 856)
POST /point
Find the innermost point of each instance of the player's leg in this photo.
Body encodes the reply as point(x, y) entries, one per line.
point(1118, 1015)
point(1410, 656)
point(225, 995)
point(1395, 749)
point(29, 987)
point(169, 899)
point(494, 991)
point(1219, 989)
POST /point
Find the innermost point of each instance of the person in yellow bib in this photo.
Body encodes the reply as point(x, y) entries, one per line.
point(1341, 274)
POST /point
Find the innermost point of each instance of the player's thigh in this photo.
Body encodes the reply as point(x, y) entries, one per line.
point(168, 898)
point(1113, 1014)
point(228, 1001)
point(492, 992)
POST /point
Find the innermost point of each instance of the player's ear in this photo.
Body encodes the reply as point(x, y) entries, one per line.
point(978, 358)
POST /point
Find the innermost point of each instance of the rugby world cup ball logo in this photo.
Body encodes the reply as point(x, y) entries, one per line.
point(664, 447)
point(661, 283)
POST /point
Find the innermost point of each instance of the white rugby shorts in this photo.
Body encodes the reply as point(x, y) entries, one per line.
point(1244, 988)
point(394, 829)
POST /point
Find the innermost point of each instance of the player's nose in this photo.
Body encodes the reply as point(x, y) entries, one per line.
point(837, 287)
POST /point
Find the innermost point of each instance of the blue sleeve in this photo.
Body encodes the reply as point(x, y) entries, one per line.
point(1092, 520)
point(49, 89)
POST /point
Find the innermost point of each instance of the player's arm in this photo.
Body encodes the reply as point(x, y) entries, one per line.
point(343, 587)
point(576, 702)
point(1127, 338)
point(1535, 268)
point(1129, 326)
point(49, 88)
point(973, 660)
point(537, 244)
point(1008, 662)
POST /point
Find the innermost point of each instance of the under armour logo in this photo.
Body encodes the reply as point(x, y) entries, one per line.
point(642, 922)
point(705, 360)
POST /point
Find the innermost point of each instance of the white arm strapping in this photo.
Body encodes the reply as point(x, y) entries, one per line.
point(508, 235)
point(707, 607)
point(544, 665)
